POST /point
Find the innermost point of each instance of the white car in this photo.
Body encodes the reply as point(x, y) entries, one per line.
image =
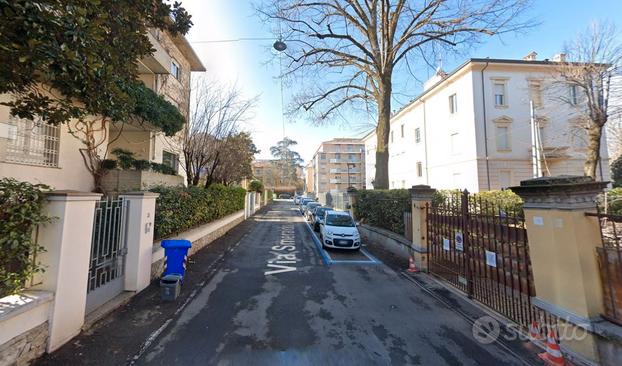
point(338, 230)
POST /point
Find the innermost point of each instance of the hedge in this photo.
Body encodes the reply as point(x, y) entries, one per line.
point(21, 210)
point(182, 208)
point(491, 201)
point(383, 208)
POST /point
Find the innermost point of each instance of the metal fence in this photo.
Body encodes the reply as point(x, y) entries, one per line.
point(610, 264)
point(481, 249)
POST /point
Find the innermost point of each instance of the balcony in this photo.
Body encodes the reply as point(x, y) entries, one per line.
point(554, 152)
point(159, 62)
point(339, 161)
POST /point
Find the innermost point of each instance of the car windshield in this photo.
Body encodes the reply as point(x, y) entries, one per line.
point(306, 200)
point(321, 211)
point(310, 205)
point(339, 220)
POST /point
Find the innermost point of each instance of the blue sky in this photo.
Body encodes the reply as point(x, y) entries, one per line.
point(247, 63)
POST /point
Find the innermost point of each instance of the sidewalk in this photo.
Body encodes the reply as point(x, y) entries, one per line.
point(117, 338)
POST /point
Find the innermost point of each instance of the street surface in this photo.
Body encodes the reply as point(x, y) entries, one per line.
point(276, 298)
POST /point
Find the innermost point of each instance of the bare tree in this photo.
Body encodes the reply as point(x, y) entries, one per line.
point(345, 52)
point(591, 80)
point(216, 113)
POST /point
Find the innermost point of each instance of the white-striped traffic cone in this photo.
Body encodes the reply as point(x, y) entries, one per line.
point(534, 332)
point(553, 355)
point(411, 265)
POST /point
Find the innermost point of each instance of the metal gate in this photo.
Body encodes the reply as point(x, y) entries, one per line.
point(481, 248)
point(108, 250)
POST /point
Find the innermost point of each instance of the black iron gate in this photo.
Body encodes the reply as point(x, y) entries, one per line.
point(481, 248)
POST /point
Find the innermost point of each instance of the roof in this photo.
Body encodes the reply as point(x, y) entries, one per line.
point(472, 61)
point(186, 49)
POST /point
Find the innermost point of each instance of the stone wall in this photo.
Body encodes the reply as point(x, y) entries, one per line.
point(389, 241)
point(26, 347)
point(200, 238)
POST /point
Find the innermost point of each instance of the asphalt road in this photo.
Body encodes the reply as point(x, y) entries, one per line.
point(277, 299)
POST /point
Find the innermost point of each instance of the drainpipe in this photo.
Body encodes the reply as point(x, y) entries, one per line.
point(425, 146)
point(485, 127)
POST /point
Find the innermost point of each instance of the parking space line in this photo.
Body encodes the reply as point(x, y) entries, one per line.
point(327, 258)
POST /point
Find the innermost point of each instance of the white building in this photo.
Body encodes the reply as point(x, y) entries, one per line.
point(440, 137)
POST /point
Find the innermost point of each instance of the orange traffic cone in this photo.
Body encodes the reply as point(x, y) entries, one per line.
point(553, 355)
point(534, 331)
point(411, 265)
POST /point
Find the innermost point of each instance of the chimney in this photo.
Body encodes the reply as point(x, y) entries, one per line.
point(560, 57)
point(531, 56)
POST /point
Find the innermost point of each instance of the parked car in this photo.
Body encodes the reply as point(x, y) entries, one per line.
point(318, 216)
point(309, 210)
point(303, 204)
point(297, 199)
point(285, 196)
point(338, 230)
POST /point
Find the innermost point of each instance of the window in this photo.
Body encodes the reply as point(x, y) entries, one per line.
point(419, 169)
point(535, 94)
point(499, 90)
point(453, 104)
point(417, 135)
point(503, 138)
point(171, 160)
point(402, 130)
point(573, 97)
point(322, 156)
point(33, 143)
point(175, 69)
point(337, 156)
point(391, 136)
point(453, 142)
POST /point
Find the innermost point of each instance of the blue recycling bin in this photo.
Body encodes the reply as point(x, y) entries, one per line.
point(175, 252)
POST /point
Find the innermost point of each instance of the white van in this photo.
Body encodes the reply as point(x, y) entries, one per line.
point(338, 230)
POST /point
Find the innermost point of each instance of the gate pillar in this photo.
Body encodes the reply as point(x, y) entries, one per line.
point(67, 243)
point(139, 244)
point(421, 196)
point(562, 247)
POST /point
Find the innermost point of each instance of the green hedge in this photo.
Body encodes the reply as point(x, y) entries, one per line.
point(182, 208)
point(383, 208)
point(21, 207)
point(491, 201)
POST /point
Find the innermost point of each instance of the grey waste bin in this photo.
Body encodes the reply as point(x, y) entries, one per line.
point(170, 286)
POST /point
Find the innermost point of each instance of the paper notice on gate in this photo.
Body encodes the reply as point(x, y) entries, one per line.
point(445, 243)
point(491, 259)
point(459, 241)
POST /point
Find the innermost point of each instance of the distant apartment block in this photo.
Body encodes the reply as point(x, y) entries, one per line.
point(337, 165)
point(471, 128)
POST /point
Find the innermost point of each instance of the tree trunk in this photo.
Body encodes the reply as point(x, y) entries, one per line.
point(594, 136)
point(383, 130)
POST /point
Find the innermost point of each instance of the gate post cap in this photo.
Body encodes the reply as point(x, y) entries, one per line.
point(560, 192)
point(422, 192)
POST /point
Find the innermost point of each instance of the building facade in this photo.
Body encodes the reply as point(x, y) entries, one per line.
point(40, 153)
point(336, 165)
point(471, 128)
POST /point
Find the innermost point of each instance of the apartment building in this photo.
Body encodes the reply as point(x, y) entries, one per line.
point(336, 165)
point(41, 153)
point(471, 128)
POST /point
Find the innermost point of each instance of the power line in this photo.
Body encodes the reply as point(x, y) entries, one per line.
point(244, 39)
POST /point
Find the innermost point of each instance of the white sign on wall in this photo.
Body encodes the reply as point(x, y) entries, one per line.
point(445, 243)
point(459, 241)
point(491, 258)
